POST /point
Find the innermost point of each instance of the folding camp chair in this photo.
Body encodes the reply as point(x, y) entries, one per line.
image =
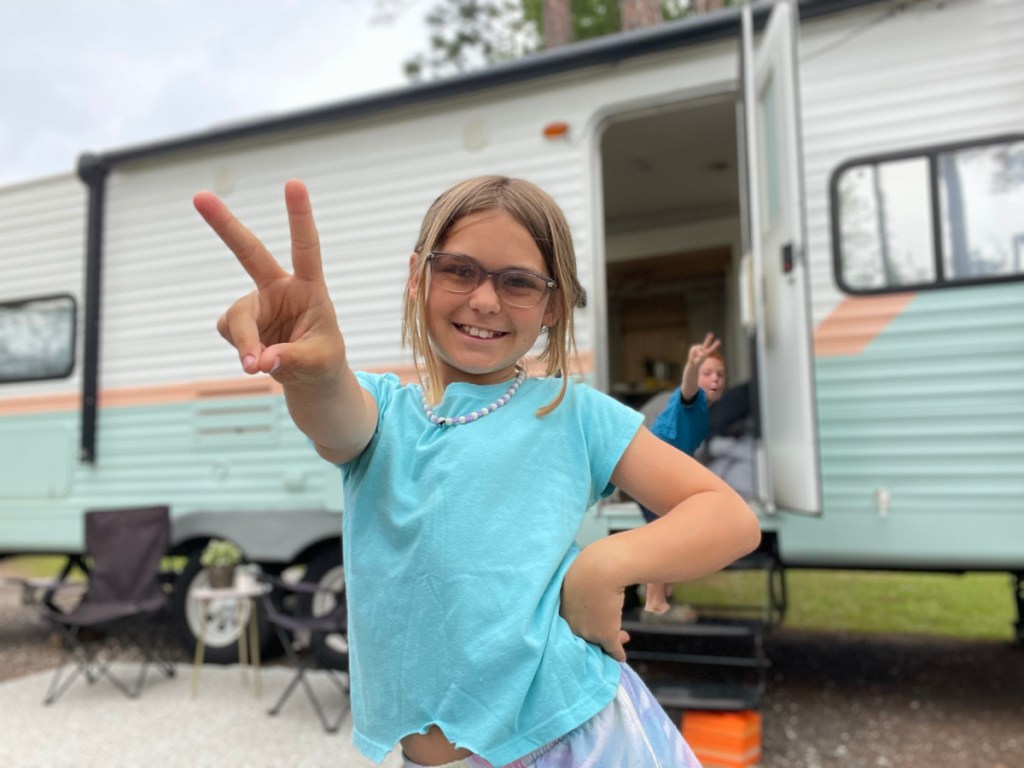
point(124, 599)
point(300, 633)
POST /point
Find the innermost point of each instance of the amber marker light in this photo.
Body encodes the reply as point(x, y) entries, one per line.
point(556, 130)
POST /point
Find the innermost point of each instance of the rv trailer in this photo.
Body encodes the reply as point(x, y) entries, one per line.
point(846, 210)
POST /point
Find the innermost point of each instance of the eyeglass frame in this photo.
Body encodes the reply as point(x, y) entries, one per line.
point(550, 284)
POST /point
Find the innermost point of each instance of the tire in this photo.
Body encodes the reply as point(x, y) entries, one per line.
point(222, 625)
point(325, 569)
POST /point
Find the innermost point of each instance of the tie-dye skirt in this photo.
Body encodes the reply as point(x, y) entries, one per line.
point(633, 730)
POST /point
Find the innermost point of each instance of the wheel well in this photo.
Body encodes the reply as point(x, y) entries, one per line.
point(313, 550)
point(194, 544)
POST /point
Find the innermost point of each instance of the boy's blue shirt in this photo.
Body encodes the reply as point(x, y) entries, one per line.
point(456, 541)
point(683, 425)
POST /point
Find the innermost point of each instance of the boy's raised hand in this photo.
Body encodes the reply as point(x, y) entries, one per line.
point(695, 358)
point(287, 326)
point(700, 352)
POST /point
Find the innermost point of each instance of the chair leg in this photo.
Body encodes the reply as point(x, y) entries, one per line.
point(330, 727)
point(56, 688)
point(150, 656)
point(303, 665)
point(293, 657)
point(287, 691)
point(87, 664)
point(93, 668)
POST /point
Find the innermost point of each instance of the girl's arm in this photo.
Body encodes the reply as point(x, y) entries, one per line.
point(287, 327)
point(704, 526)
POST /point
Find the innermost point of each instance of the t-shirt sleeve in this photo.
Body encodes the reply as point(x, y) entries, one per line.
point(609, 427)
point(382, 387)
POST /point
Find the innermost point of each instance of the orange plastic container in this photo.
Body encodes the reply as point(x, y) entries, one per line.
point(724, 739)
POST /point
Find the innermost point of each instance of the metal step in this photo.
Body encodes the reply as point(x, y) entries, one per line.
point(739, 662)
point(722, 697)
point(701, 628)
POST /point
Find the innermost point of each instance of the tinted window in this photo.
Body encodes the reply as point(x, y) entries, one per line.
point(931, 218)
point(37, 338)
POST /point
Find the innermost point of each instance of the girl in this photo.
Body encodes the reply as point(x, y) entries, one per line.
point(480, 635)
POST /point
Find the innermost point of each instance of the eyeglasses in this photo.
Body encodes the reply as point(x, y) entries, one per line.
point(461, 274)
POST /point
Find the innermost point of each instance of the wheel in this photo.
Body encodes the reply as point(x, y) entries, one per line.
point(222, 623)
point(325, 569)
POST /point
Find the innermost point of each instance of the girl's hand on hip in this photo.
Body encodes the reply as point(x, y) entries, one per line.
point(287, 326)
point(592, 604)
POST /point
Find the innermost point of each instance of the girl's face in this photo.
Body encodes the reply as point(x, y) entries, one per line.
point(711, 378)
point(476, 336)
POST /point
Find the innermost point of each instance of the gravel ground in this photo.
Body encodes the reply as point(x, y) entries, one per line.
point(833, 700)
point(879, 700)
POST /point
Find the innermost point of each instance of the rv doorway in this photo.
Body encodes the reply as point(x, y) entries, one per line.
point(672, 243)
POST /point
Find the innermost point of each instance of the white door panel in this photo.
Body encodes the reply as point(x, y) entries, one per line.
point(788, 453)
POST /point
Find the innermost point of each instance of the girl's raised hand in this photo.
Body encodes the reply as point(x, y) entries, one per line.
point(287, 326)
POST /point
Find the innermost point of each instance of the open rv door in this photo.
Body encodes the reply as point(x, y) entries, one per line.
point(775, 267)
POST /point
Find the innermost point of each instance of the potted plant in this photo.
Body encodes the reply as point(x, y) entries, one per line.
point(220, 558)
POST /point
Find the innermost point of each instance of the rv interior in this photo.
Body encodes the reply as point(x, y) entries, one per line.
point(672, 241)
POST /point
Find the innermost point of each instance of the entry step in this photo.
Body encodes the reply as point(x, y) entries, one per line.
point(703, 627)
point(721, 697)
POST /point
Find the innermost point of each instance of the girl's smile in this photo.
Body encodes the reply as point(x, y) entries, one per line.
point(478, 337)
point(480, 333)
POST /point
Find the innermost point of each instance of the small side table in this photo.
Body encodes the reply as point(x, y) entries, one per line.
point(245, 590)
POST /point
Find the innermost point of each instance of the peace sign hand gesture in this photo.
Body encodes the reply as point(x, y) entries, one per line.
point(700, 352)
point(694, 360)
point(287, 326)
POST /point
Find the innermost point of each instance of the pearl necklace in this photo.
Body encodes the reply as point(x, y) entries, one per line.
point(444, 421)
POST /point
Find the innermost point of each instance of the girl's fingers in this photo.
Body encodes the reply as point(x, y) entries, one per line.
point(239, 328)
point(306, 259)
point(616, 649)
point(254, 258)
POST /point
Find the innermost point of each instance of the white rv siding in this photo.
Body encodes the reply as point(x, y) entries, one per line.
point(929, 415)
point(371, 182)
point(42, 236)
point(882, 79)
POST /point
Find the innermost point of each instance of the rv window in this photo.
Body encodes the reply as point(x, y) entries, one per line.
point(983, 211)
point(927, 219)
point(37, 338)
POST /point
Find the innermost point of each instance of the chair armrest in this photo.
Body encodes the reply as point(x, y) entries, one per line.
point(299, 587)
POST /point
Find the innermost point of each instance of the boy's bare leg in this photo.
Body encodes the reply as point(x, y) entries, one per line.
point(657, 598)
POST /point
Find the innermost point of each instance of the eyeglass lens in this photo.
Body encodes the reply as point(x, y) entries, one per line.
point(461, 274)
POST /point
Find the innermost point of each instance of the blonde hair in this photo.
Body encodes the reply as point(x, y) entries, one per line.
point(540, 215)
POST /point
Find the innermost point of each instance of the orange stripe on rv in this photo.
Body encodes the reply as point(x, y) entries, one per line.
point(856, 322)
point(249, 386)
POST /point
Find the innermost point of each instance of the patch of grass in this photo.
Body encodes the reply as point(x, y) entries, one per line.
point(973, 605)
point(49, 566)
point(36, 566)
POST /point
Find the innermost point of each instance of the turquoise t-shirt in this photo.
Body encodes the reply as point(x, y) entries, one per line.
point(456, 541)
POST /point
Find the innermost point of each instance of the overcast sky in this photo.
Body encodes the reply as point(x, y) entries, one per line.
point(96, 75)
